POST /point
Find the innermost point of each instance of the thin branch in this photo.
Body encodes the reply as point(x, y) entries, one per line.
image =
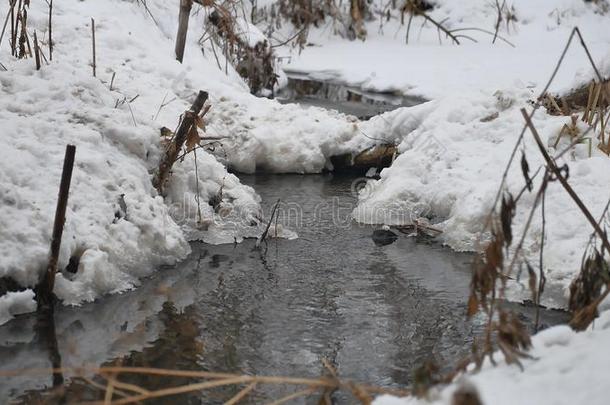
point(553, 167)
point(8, 14)
point(484, 31)
point(264, 234)
point(574, 32)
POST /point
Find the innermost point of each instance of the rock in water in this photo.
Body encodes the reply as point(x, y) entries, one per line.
point(383, 237)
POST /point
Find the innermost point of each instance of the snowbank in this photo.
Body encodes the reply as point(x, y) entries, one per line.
point(566, 368)
point(116, 223)
point(450, 166)
point(15, 303)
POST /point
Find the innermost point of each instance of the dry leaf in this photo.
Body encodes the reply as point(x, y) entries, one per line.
point(192, 139)
point(473, 305)
point(200, 123)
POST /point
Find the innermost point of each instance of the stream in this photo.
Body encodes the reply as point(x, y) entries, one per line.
point(345, 99)
point(373, 312)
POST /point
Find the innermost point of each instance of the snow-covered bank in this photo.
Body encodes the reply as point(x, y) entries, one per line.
point(115, 218)
point(566, 368)
point(384, 62)
point(450, 166)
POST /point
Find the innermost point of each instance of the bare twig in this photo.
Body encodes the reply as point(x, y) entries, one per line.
point(264, 234)
point(499, 19)
point(484, 31)
point(575, 32)
point(557, 173)
point(241, 394)
point(8, 15)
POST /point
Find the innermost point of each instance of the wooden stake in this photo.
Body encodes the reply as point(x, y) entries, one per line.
point(183, 25)
point(93, 40)
point(50, 30)
point(36, 52)
point(172, 151)
point(45, 288)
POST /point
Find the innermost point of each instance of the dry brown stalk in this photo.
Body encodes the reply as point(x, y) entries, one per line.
point(8, 16)
point(111, 373)
point(583, 317)
point(295, 395)
point(241, 394)
point(558, 174)
point(166, 392)
point(36, 52)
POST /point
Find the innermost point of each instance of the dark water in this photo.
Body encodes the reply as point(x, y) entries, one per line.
point(373, 312)
point(345, 99)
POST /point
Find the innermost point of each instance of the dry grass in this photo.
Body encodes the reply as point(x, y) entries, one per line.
point(116, 392)
point(503, 254)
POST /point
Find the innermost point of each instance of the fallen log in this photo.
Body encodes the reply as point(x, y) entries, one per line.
point(379, 156)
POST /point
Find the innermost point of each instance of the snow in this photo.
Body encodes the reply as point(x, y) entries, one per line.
point(383, 62)
point(117, 149)
point(249, 33)
point(566, 368)
point(16, 303)
point(450, 165)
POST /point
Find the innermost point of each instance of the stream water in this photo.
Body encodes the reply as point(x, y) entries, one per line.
point(374, 312)
point(348, 100)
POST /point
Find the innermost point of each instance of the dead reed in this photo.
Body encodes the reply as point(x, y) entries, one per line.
point(117, 392)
